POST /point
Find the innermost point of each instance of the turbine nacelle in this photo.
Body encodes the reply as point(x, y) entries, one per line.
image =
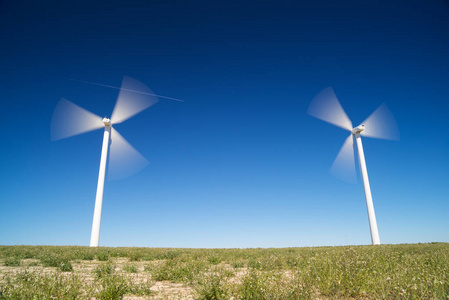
point(107, 122)
point(358, 129)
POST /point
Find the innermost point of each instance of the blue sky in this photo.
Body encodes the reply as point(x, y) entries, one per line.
point(239, 163)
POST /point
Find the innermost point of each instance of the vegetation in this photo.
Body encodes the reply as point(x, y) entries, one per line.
point(104, 270)
point(419, 271)
point(38, 285)
point(130, 269)
point(11, 262)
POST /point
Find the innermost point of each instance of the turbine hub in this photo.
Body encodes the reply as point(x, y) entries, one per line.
point(107, 122)
point(358, 129)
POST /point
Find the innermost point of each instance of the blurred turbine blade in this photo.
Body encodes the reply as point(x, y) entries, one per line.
point(325, 106)
point(124, 160)
point(69, 119)
point(134, 97)
point(344, 165)
point(381, 124)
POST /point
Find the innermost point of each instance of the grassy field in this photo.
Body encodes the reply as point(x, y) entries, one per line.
point(418, 271)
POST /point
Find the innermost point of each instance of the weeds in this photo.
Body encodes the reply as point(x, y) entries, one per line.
point(37, 285)
point(214, 260)
point(212, 287)
point(113, 287)
point(103, 256)
point(238, 264)
point(103, 271)
point(418, 271)
point(33, 264)
point(271, 285)
point(135, 256)
point(130, 269)
point(62, 263)
point(87, 256)
point(11, 262)
point(66, 266)
point(176, 270)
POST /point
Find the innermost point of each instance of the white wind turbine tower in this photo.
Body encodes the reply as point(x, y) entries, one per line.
point(69, 119)
point(380, 124)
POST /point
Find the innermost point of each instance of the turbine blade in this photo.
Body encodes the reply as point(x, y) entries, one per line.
point(344, 165)
point(124, 160)
point(69, 119)
point(114, 87)
point(134, 97)
point(325, 106)
point(381, 124)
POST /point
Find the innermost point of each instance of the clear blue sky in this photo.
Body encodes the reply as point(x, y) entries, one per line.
point(239, 163)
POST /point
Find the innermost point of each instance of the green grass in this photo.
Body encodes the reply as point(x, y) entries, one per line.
point(55, 285)
point(417, 271)
point(115, 286)
point(57, 261)
point(103, 256)
point(213, 286)
point(11, 262)
point(178, 270)
point(37, 285)
point(33, 264)
point(130, 269)
point(104, 270)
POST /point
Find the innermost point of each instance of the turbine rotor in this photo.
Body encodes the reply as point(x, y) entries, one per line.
point(380, 124)
point(70, 119)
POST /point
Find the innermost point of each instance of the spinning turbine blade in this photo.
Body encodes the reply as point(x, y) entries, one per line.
point(134, 97)
point(124, 160)
point(69, 119)
point(114, 87)
point(344, 165)
point(381, 124)
point(325, 106)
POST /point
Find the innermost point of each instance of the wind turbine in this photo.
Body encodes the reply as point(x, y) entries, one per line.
point(70, 119)
point(380, 124)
